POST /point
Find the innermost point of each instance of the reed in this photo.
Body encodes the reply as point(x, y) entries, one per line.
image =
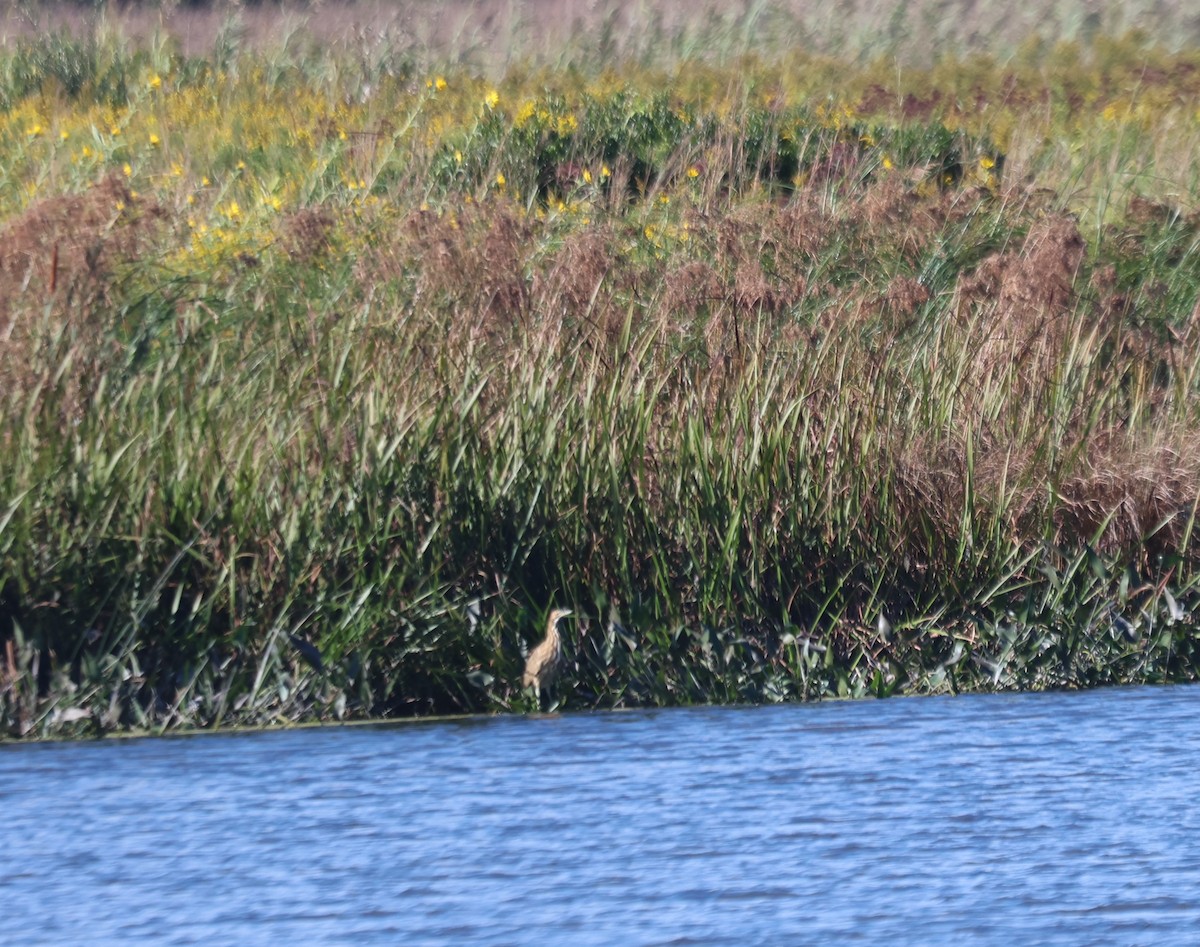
point(324, 373)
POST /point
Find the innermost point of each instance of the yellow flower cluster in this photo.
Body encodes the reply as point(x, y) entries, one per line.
point(233, 151)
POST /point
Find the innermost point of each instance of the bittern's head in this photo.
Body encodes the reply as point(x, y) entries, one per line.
point(556, 616)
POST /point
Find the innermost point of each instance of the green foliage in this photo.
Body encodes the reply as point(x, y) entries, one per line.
point(348, 373)
point(95, 68)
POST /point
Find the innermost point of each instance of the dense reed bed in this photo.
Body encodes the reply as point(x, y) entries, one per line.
point(326, 371)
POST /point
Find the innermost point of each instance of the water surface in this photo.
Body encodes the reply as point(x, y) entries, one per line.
point(1005, 819)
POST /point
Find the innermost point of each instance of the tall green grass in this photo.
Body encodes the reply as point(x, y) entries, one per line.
point(858, 407)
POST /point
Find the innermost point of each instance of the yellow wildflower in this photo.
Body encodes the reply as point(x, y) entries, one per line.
point(492, 99)
point(439, 83)
point(156, 81)
point(154, 142)
point(500, 181)
point(587, 176)
point(524, 113)
point(127, 170)
point(693, 172)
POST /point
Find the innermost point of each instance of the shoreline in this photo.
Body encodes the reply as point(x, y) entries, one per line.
point(480, 718)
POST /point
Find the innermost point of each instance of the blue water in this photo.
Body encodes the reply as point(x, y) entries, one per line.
point(1014, 820)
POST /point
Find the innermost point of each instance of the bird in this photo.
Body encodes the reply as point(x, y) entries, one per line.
point(542, 665)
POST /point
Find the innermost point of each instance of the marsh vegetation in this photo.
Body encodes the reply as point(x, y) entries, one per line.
point(795, 369)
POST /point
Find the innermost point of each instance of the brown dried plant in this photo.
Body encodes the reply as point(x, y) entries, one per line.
point(306, 234)
point(1129, 490)
point(586, 284)
point(63, 248)
point(1024, 302)
point(57, 263)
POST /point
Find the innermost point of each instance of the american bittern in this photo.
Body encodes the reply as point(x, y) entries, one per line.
point(542, 665)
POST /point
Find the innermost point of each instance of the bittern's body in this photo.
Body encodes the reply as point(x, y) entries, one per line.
point(545, 661)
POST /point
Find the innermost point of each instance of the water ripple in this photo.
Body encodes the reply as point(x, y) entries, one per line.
point(1048, 818)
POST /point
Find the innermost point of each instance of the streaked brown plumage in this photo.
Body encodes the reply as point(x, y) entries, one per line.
point(542, 665)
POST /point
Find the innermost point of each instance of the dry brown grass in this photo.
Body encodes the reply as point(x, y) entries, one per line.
point(306, 234)
point(1132, 491)
point(586, 281)
point(1023, 305)
point(1128, 496)
point(57, 263)
point(62, 247)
